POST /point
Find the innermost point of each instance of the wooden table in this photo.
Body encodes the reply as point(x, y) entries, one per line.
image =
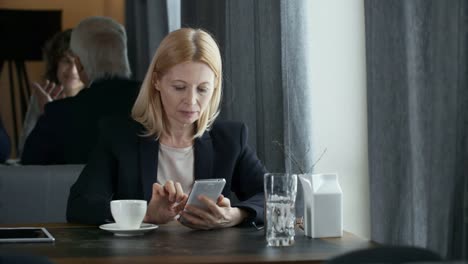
point(174, 243)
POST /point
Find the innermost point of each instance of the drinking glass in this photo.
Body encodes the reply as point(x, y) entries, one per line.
point(280, 197)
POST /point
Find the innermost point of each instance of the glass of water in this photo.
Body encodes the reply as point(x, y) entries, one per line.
point(280, 197)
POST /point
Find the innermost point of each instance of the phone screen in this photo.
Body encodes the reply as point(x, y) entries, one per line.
point(211, 188)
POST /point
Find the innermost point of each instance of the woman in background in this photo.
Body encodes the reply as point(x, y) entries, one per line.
point(61, 80)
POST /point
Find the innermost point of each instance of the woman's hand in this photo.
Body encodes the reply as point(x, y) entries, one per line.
point(166, 202)
point(218, 215)
point(47, 93)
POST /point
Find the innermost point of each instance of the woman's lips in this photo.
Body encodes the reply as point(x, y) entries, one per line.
point(189, 114)
point(72, 80)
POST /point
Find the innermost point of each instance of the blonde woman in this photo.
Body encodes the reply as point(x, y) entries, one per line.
point(171, 140)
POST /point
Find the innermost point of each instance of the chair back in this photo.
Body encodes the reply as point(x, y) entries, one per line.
point(386, 254)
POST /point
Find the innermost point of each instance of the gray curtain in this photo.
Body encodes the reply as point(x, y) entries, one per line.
point(265, 73)
point(418, 123)
point(147, 22)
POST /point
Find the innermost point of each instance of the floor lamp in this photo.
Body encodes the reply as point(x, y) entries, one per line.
point(23, 35)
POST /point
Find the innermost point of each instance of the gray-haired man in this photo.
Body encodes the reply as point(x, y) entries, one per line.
point(68, 130)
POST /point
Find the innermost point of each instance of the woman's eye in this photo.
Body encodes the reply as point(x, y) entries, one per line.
point(179, 88)
point(202, 90)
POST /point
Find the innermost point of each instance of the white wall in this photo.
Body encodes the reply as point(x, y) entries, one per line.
point(339, 107)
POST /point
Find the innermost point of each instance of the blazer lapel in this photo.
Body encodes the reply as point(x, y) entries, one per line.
point(203, 157)
point(149, 149)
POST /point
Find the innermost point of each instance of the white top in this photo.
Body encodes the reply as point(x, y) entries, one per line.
point(176, 164)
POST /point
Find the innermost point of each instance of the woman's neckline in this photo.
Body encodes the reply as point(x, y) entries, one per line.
point(184, 148)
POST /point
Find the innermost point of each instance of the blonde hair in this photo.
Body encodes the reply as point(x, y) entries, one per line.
point(183, 45)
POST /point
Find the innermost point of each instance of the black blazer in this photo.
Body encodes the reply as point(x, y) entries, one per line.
point(67, 131)
point(124, 165)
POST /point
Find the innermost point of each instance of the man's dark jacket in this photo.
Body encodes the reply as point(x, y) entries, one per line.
point(67, 131)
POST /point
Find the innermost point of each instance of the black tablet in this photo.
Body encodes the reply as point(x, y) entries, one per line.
point(25, 234)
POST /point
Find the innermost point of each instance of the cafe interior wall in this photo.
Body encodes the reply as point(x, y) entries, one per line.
point(72, 12)
point(339, 103)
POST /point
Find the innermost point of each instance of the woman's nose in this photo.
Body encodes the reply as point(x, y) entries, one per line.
point(73, 68)
point(191, 96)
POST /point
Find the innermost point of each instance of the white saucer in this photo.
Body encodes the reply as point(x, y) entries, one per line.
point(114, 228)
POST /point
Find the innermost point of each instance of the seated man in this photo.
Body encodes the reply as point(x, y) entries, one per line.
point(68, 129)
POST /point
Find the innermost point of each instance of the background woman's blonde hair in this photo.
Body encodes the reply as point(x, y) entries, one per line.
point(183, 45)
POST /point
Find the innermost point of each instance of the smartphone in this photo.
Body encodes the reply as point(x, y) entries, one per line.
point(25, 234)
point(211, 188)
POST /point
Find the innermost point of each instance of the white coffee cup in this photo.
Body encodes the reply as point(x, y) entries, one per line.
point(128, 214)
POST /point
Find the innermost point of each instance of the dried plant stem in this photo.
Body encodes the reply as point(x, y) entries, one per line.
point(295, 161)
point(319, 158)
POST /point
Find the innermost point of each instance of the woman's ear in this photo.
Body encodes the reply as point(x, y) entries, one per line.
point(155, 81)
